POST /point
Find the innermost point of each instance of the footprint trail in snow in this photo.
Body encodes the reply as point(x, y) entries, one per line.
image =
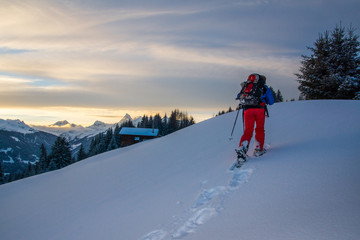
point(207, 205)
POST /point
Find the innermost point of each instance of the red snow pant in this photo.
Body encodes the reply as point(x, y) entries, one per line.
point(252, 116)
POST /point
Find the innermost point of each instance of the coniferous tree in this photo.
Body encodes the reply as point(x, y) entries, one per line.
point(191, 121)
point(279, 97)
point(9, 178)
point(52, 165)
point(61, 153)
point(81, 154)
point(113, 144)
point(44, 160)
point(95, 144)
point(179, 120)
point(332, 71)
point(315, 70)
point(102, 145)
point(128, 123)
point(150, 123)
point(144, 122)
point(107, 139)
point(158, 124)
point(173, 121)
point(30, 171)
point(165, 124)
point(347, 62)
point(117, 135)
point(37, 169)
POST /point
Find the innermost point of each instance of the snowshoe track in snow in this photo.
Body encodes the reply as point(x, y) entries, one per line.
point(207, 205)
point(155, 235)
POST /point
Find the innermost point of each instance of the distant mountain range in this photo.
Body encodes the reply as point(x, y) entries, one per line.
point(73, 131)
point(20, 143)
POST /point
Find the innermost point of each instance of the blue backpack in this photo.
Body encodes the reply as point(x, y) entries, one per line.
point(268, 97)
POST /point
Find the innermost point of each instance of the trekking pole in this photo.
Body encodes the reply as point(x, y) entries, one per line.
point(230, 138)
point(243, 120)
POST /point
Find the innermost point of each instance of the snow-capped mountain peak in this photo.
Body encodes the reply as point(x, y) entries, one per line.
point(15, 126)
point(63, 124)
point(98, 124)
point(127, 116)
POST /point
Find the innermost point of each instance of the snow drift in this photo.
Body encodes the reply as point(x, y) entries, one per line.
point(179, 187)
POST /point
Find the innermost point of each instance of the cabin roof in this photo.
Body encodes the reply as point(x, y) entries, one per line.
point(139, 131)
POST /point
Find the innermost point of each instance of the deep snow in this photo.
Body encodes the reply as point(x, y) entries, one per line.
point(306, 187)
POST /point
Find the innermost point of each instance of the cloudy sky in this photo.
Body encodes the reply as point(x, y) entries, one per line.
point(87, 60)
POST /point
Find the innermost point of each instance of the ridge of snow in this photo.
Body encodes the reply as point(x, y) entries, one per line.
point(16, 126)
point(98, 124)
point(179, 186)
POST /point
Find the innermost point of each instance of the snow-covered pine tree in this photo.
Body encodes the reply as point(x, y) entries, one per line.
point(333, 69)
point(349, 71)
point(315, 70)
point(357, 96)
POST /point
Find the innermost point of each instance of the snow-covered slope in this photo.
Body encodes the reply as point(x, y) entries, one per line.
point(178, 187)
point(15, 126)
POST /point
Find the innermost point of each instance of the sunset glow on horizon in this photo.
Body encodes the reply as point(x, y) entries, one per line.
point(63, 60)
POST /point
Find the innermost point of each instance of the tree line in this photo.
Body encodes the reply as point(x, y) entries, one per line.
point(59, 157)
point(61, 153)
point(111, 139)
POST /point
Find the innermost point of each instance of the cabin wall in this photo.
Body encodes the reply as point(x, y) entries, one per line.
point(127, 140)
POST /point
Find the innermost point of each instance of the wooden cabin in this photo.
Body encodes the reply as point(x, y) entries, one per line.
point(130, 136)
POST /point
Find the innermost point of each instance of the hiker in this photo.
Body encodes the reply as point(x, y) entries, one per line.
point(253, 97)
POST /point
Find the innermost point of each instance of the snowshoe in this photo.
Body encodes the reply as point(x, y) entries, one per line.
point(259, 152)
point(241, 157)
point(241, 153)
point(240, 160)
